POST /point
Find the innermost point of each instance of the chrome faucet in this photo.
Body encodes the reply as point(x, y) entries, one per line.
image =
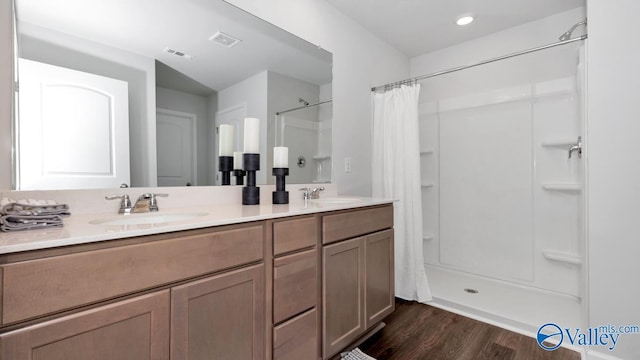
point(125, 204)
point(147, 203)
point(308, 193)
point(315, 192)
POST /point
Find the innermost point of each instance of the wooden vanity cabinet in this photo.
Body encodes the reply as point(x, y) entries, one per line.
point(296, 289)
point(196, 294)
point(301, 287)
point(357, 283)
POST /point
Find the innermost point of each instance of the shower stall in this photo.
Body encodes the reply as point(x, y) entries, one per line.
point(306, 131)
point(502, 179)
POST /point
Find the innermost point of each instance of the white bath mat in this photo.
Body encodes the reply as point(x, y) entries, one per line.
point(355, 354)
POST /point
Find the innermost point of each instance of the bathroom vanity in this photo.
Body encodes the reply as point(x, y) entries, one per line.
point(281, 282)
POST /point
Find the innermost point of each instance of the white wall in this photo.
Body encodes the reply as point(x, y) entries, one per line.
point(325, 116)
point(253, 93)
point(194, 104)
point(6, 90)
point(212, 107)
point(360, 61)
point(56, 48)
point(613, 167)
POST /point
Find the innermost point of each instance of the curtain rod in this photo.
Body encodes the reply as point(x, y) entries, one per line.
point(583, 37)
point(304, 106)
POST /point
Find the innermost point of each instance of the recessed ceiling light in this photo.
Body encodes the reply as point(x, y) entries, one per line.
point(223, 39)
point(464, 20)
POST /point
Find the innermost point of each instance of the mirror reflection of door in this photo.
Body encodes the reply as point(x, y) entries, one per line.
point(233, 116)
point(73, 129)
point(176, 143)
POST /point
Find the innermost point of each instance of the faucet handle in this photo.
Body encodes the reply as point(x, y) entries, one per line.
point(153, 204)
point(306, 192)
point(125, 204)
point(315, 193)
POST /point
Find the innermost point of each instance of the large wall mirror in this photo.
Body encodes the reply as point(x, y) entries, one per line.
point(133, 92)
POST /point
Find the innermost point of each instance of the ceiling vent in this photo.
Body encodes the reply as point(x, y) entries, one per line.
point(177, 53)
point(223, 39)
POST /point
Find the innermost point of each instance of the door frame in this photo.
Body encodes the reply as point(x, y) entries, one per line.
point(215, 135)
point(193, 120)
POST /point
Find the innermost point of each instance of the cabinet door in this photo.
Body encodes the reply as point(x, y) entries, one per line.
point(131, 329)
point(220, 317)
point(343, 289)
point(379, 292)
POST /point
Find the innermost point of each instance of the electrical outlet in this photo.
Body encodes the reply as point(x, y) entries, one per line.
point(347, 165)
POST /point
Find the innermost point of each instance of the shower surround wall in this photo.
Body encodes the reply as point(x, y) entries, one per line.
point(502, 202)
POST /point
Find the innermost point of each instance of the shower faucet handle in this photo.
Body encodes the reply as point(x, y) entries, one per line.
point(577, 147)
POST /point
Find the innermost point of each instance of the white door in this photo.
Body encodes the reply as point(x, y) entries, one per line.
point(232, 116)
point(176, 142)
point(73, 129)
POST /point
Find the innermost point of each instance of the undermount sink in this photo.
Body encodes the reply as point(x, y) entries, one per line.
point(147, 219)
point(336, 200)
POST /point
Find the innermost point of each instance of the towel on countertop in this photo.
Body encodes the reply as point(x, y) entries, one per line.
point(31, 214)
point(33, 207)
point(28, 222)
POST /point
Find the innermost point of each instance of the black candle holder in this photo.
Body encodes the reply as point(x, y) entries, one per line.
point(226, 165)
point(239, 174)
point(280, 196)
point(251, 193)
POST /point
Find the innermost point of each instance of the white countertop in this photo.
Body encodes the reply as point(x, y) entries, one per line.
point(77, 229)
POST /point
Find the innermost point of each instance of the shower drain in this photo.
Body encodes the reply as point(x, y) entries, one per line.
point(471, 291)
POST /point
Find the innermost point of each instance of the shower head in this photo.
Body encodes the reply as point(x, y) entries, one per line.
point(567, 35)
point(303, 101)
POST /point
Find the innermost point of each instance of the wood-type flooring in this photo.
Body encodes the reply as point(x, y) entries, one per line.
point(419, 331)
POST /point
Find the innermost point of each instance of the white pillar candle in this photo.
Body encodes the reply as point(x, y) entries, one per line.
point(280, 157)
point(251, 136)
point(237, 160)
point(226, 140)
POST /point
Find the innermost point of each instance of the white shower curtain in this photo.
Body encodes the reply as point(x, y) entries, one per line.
point(396, 175)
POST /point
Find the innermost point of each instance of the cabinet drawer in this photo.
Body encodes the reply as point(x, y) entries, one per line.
point(296, 234)
point(355, 223)
point(295, 284)
point(297, 338)
point(38, 287)
point(134, 329)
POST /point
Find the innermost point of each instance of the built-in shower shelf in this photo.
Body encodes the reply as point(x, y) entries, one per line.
point(563, 187)
point(426, 151)
point(321, 157)
point(426, 186)
point(428, 237)
point(565, 257)
point(560, 143)
point(321, 181)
